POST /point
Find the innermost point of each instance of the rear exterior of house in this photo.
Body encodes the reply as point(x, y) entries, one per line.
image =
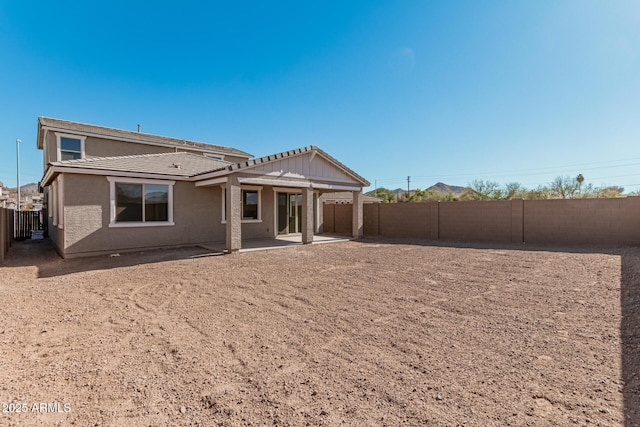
point(109, 190)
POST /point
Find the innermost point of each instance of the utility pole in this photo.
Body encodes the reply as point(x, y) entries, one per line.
point(375, 188)
point(408, 185)
point(18, 169)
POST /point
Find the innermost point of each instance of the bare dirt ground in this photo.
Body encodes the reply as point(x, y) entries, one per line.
point(353, 333)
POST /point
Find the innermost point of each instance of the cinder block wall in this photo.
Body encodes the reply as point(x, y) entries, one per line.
point(328, 213)
point(404, 220)
point(343, 219)
point(585, 221)
point(488, 221)
point(554, 222)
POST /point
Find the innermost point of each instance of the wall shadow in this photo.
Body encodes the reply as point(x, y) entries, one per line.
point(630, 334)
point(42, 255)
point(494, 245)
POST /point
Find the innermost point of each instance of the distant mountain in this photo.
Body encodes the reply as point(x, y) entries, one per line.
point(30, 189)
point(440, 187)
point(445, 188)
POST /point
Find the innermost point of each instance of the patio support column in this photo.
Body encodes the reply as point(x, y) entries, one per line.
point(317, 205)
point(358, 219)
point(233, 212)
point(307, 215)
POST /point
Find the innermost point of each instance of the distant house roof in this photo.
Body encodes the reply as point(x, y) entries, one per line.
point(105, 132)
point(290, 153)
point(346, 197)
point(169, 164)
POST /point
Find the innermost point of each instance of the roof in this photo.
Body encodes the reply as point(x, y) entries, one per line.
point(101, 131)
point(181, 164)
point(291, 153)
point(172, 164)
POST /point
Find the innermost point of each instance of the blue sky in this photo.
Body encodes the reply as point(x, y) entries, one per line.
point(437, 90)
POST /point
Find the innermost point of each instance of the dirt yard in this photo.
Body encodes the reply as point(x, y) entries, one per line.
point(371, 333)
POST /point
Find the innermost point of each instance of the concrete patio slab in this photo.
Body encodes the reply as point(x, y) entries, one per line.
point(280, 242)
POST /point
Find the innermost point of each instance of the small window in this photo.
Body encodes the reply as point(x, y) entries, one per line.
point(70, 147)
point(250, 204)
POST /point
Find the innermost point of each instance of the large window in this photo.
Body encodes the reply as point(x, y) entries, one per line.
point(70, 147)
point(136, 202)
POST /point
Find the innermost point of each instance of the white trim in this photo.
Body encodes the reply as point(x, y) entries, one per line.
point(44, 149)
point(251, 187)
point(288, 189)
point(141, 224)
point(160, 144)
point(295, 175)
point(112, 202)
point(139, 181)
point(60, 135)
point(223, 218)
point(110, 172)
point(335, 187)
point(274, 182)
point(54, 202)
point(214, 181)
point(60, 202)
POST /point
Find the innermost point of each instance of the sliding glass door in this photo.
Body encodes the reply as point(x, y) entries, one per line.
point(289, 213)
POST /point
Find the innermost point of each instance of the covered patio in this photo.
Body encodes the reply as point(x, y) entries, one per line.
point(274, 201)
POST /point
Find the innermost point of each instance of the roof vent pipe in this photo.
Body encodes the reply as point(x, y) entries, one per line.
point(138, 127)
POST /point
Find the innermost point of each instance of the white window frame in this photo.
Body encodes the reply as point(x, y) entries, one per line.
point(60, 197)
point(54, 202)
point(112, 202)
point(59, 137)
point(242, 188)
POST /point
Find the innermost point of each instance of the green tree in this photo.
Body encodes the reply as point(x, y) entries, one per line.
point(563, 187)
point(487, 190)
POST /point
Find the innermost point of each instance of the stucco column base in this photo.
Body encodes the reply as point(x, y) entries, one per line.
point(358, 218)
point(233, 210)
point(307, 215)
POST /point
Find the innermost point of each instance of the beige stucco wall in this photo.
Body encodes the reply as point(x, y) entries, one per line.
point(197, 216)
point(196, 211)
point(55, 234)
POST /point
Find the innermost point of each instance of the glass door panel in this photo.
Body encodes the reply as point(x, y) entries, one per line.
point(298, 213)
point(283, 223)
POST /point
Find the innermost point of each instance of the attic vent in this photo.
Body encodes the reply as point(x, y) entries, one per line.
point(177, 165)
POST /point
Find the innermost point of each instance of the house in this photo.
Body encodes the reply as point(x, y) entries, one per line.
point(110, 190)
point(4, 197)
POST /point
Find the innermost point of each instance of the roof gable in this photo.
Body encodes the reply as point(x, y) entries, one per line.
point(307, 162)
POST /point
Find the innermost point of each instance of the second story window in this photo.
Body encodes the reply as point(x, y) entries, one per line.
point(70, 147)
